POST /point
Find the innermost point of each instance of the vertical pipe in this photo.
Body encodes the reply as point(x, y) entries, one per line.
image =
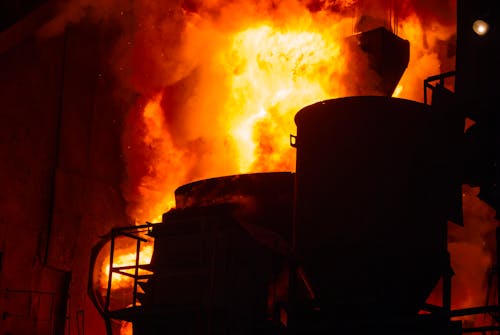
point(292, 263)
point(425, 92)
point(61, 309)
point(137, 255)
point(57, 149)
point(111, 254)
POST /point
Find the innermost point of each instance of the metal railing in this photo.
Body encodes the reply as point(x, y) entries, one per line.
point(440, 78)
point(136, 233)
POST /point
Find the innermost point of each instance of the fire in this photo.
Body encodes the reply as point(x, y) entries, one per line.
point(270, 73)
point(157, 154)
point(239, 93)
point(424, 60)
point(121, 295)
point(219, 90)
point(219, 83)
point(243, 94)
point(125, 258)
point(472, 250)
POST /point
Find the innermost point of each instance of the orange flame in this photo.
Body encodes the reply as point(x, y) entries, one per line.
point(220, 90)
point(125, 258)
point(233, 113)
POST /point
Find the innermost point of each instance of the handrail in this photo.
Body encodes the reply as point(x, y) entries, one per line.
point(439, 77)
point(127, 232)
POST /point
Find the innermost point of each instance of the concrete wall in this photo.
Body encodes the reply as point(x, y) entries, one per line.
point(60, 175)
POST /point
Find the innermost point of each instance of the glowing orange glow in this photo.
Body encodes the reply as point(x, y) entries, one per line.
point(125, 258)
point(222, 99)
point(161, 160)
point(122, 285)
point(126, 328)
point(270, 73)
point(425, 60)
point(244, 89)
point(471, 250)
point(397, 91)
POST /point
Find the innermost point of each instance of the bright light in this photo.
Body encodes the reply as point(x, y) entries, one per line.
point(480, 27)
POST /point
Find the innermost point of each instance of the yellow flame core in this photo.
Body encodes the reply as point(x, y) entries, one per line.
point(271, 73)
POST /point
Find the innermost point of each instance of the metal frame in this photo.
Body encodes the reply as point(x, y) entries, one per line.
point(129, 232)
point(440, 77)
point(447, 275)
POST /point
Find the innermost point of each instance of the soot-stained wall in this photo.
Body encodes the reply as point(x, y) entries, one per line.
point(60, 175)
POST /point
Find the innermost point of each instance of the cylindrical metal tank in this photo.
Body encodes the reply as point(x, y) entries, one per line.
point(217, 254)
point(371, 208)
point(267, 197)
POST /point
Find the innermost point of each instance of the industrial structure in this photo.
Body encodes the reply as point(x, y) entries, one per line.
point(353, 241)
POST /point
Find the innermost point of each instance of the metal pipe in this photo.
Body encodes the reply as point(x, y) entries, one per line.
point(108, 291)
point(473, 310)
point(136, 273)
point(57, 149)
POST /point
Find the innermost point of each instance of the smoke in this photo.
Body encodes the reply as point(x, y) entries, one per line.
point(473, 252)
point(429, 11)
point(162, 40)
point(76, 11)
point(184, 58)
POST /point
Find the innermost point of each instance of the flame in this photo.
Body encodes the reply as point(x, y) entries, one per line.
point(397, 91)
point(156, 154)
point(124, 257)
point(219, 82)
point(227, 106)
point(271, 73)
point(126, 328)
point(121, 285)
point(239, 92)
point(240, 115)
point(218, 90)
point(424, 61)
point(472, 251)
